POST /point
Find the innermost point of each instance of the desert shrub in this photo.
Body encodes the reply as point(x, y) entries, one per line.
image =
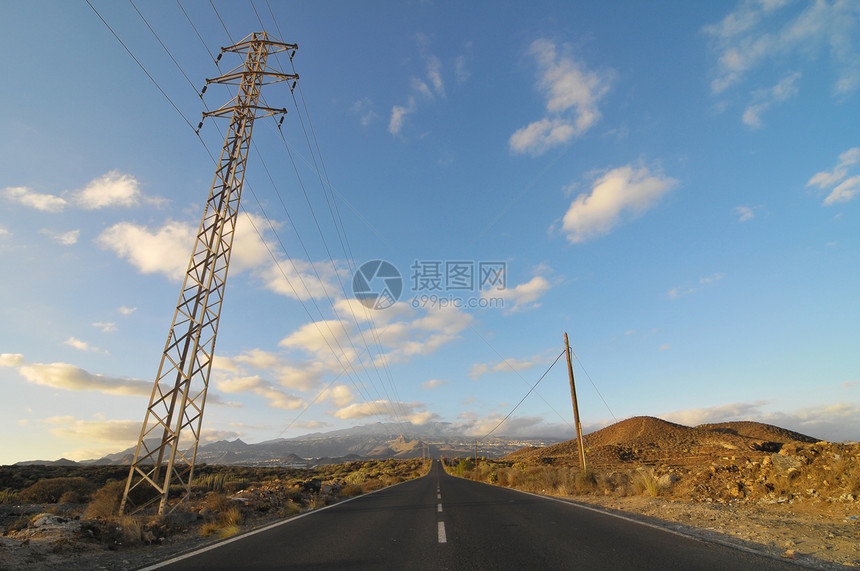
point(232, 516)
point(51, 490)
point(464, 466)
point(218, 503)
point(585, 481)
point(646, 483)
point(8, 496)
point(211, 482)
point(124, 531)
point(105, 501)
point(71, 497)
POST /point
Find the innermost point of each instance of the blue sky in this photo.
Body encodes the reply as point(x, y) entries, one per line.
point(673, 184)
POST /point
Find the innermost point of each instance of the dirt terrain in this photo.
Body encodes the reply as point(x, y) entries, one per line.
point(71, 535)
point(772, 489)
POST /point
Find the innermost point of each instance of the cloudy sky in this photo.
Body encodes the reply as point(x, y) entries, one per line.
point(673, 184)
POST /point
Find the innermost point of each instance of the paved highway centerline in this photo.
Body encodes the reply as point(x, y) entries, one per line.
point(439, 508)
point(442, 537)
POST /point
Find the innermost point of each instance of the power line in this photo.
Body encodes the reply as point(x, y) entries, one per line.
point(187, 17)
point(595, 386)
point(522, 400)
point(475, 331)
point(152, 79)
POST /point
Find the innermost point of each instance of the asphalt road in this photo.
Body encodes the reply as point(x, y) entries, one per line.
point(443, 522)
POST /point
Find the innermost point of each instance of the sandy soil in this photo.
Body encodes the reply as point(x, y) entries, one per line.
point(800, 532)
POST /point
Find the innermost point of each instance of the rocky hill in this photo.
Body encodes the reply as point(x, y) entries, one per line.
point(649, 440)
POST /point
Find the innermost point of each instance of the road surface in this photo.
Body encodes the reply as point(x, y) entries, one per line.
point(442, 522)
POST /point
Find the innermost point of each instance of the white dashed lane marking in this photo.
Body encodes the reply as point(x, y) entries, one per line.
point(442, 538)
point(439, 508)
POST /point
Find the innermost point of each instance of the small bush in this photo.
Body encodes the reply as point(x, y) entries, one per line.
point(464, 466)
point(8, 496)
point(647, 483)
point(51, 490)
point(106, 500)
point(350, 490)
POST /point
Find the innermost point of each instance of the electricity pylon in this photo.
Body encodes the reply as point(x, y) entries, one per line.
point(161, 460)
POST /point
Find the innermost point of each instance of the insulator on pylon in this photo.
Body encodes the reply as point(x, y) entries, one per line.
point(217, 59)
point(294, 86)
point(199, 125)
point(204, 89)
point(281, 122)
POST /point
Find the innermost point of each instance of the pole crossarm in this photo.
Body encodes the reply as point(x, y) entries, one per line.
point(164, 459)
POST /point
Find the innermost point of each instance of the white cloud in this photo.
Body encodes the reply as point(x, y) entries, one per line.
point(539, 136)
point(311, 424)
point(829, 178)
point(27, 197)
point(340, 395)
point(11, 360)
point(422, 88)
point(363, 108)
point(72, 378)
point(422, 417)
point(434, 384)
point(166, 250)
point(3, 231)
point(506, 365)
point(834, 422)
point(745, 213)
point(523, 426)
point(257, 385)
point(126, 311)
point(572, 95)
point(665, 347)
point(111, 189)
point(299, 279)
point(461, 72)
point(94, 430)
point(385, 408)
point(105, 326)
point(766, 98)
point(678, 291)
point(628, 189)
point(80, 345)
point(319, 337)
point(522, 296)
point(398, 116)
point(844, 189)
point(434, 75)
point(844, 192)
point(302, 377)
point(63, 238)
point(758, 32)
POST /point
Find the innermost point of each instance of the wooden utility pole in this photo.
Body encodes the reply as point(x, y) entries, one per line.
point(575, 406)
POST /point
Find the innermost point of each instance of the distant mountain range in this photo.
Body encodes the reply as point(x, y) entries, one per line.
point(366, 442)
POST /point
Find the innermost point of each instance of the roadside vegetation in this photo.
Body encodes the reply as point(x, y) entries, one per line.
point(77, 507)
point(819, 474)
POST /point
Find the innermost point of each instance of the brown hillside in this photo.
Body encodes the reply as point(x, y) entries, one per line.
point(649, 440)
point(760, 431)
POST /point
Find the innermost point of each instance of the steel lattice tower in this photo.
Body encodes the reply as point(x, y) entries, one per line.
point(161, 460)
